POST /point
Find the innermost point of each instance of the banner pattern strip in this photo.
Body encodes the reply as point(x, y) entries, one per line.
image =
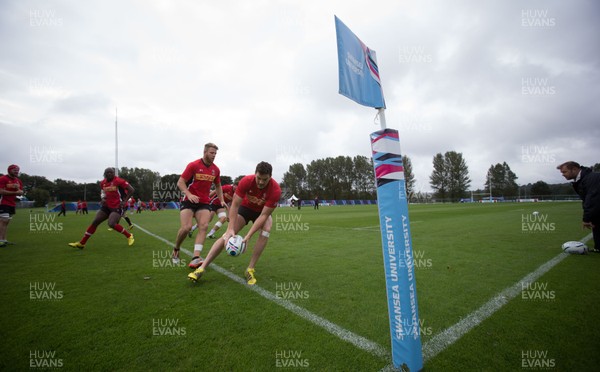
point(397, 251)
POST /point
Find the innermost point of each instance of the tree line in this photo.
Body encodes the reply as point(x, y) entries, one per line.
point(344, 177)
point(148, 185)
point(331, 178)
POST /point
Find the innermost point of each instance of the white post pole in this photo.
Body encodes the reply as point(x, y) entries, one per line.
point(381, 113)
point(116, 146)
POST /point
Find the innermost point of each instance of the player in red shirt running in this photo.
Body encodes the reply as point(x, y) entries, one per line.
point(221, 209)
point(114, 194)
point(195, 183)
point(255, 199)
point(10, 187)
point(218, 209)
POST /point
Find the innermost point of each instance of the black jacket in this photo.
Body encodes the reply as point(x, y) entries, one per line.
point(588, 188)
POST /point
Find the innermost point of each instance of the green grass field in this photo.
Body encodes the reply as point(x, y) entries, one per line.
point(119, 308)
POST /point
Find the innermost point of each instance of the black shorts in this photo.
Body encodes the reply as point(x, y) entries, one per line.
point(248, 214)
point(216, 207)
point(108, 210)
point(195, 207)
point(7, 209)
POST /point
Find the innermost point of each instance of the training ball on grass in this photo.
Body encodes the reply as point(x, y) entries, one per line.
point(574, 247)
point(235, 246)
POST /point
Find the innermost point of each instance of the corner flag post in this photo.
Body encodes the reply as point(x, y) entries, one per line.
point(359, 81)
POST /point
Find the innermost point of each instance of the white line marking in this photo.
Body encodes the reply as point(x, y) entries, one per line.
point(441, 341)
point(345, 335)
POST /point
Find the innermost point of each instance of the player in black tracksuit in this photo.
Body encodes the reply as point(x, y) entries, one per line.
point(587, 186)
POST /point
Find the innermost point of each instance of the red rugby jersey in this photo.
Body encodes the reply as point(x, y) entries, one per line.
point(10, 184)
point(112, 196)
point(199, 177)
point(255, 198)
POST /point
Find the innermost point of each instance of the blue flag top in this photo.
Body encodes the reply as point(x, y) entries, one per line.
point(358, 71)
point(398, 260)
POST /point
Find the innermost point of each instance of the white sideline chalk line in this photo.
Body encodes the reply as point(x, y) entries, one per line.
point(345, 335)
point(442, 340)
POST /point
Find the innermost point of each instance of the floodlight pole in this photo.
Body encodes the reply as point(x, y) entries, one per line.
point(116, 146)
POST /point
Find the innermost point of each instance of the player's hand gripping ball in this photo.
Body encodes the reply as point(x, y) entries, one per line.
point(235, 246)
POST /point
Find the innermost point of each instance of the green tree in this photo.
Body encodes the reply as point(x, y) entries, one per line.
point(39, 196)
point(67, 190)
point(502, 179)
point(143, 181)
point(458, 175)
point(295, 179)
point(439, 177)
point(31, 182)
point(315, 176)
point(540, 188)
point(450, 176)
point(409, 177)
point(226, 180)
point(363, 182)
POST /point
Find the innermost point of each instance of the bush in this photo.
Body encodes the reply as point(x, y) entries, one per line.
point(40, 196)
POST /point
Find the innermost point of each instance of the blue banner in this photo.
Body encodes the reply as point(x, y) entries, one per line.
point(397, 251)
point(358, 71)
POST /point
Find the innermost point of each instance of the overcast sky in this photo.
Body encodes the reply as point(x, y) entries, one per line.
point(505, 81)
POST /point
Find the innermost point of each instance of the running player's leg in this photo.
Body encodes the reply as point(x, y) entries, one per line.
point(222, 214)
point(101, 216)
point(186, 215)
point(202, 217)
point(261, 242)
point(215, 250)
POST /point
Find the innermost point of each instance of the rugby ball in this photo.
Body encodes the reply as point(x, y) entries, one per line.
point(574, 247)
point(235, 246)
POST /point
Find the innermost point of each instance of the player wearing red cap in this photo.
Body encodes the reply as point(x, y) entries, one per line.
point(10, 187)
